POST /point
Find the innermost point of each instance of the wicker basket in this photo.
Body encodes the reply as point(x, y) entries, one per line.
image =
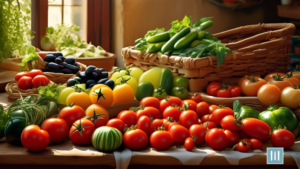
point(257, 49)
point(58, 78)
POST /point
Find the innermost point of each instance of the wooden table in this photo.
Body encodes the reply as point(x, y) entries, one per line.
point(67, 155)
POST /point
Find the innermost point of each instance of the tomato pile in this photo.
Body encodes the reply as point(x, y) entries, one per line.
point(34, 78)
point(221, 90)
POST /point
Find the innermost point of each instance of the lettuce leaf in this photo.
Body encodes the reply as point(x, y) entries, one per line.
point(154, 32)
point(50, 91)
point(178, 26)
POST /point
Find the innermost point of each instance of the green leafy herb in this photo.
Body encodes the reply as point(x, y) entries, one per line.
point(178, 26)
point(50, 91)
point(154, 32)
point(30, 55)
point(15, 31)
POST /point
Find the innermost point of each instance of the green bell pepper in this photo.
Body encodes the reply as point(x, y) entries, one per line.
point(280, 117)
point(244, 111)
point(144, 89)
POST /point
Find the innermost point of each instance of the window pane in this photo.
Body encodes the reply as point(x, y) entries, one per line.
point(54, 15)
point(73, 2)
point(54, 2)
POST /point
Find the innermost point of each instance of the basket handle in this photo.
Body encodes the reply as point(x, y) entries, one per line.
point(277, 30)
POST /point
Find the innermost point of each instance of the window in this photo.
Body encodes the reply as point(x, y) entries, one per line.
point(92, 16)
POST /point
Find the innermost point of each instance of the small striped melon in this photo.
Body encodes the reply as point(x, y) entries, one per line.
point(107, 138)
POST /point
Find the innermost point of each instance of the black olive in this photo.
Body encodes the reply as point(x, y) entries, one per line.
point(89, 70)
point(83, 76)
point(66, 71)
point(56, 54)
point(99, 72)
point(104, 74)
point(71, 82)
point(110, 83)
point(58, 60)
point(49, 58)
point(95, 76)
point(89, 82)
point(78, 79)
point(61, 57)
point(53, 66)
point(70, 61)
point(102, 81)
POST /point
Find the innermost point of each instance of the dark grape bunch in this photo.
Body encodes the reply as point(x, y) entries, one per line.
point(57, 63)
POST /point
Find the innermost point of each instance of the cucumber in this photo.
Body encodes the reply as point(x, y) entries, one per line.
point(206, 25)
point(185, 40)
point(161, 37)
point(166, 80)
point(195, 43)
point(169, 46)
point(154, 47)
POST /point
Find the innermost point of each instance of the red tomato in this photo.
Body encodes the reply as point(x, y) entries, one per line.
point(282, 138)
point(256, 144)
point(71, 114)
point(167, 122)
point(155, 113)
point(128, 117)
point(235, 91)
point(230, 123)
point(150, 102)
point(244, 146)
point(189, 105)
point(202, 109)
point(209, 125)
point(142, 112)
point(188, 118)
point(220, 113)
point(157, 123)
point(144, 123)
point(21, 74)
point(232, 136)
point(172, 112)
point(213, 88)
point(256, 129)
point(196, 97)
point(173, 124)
point(216, 139)
point(212, 108)
point(189, 144)
point(40, 80)
point(205, 118)
point(199, 132)
point(179, 134)
point(86, 128)
point(116, 123)
point(223, 93)
point(161, 140)
point(25, 83)
point(35, 72)
point(135, 139)
point(34, 139)
point(169, 101)
point(57, 129)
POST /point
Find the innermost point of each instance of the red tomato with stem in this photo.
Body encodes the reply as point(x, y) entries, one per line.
point(189, 143)
point(150, 102)
point(156, 123)
point(209, 125)
point(40, 80)
point(172, 112)
point(173, 124)
point(21, 74)
point(213, 88)
point(216, 139)
point(128, 117)
point(135, 139)
point(212, 108)
point(220, 113)
point(188, 118)
point(235, 91)
point(169, 101)
point(189, 105)
point(199, 132)
point(282, 138)
point(116, 123)
point(179, 134)
point(230, 123)
point(25, 83)
point(35, 72)
point(244, 146)
point(34, 139)
point(147, 111)
point(57, 129)
point(167, 122)
point(205, 118)
point(224, 91)
point(71, 114)
point(81, 132)
point(232, 136)
point(144, 123)
point(196, 97)
point(161, 140)
point(256, 129)
point(202, 109)
point(256, 144)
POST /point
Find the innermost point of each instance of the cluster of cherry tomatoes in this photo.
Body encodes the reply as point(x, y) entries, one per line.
point(222, 90)
point(171, 121)
point(33, 78)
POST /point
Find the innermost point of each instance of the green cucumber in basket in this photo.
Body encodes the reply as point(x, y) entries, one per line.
point(169, 46)
point(154, 47)
point(161, 37)
point(190, 37)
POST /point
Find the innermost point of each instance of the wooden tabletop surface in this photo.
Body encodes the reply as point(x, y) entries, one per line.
point(69, 154)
